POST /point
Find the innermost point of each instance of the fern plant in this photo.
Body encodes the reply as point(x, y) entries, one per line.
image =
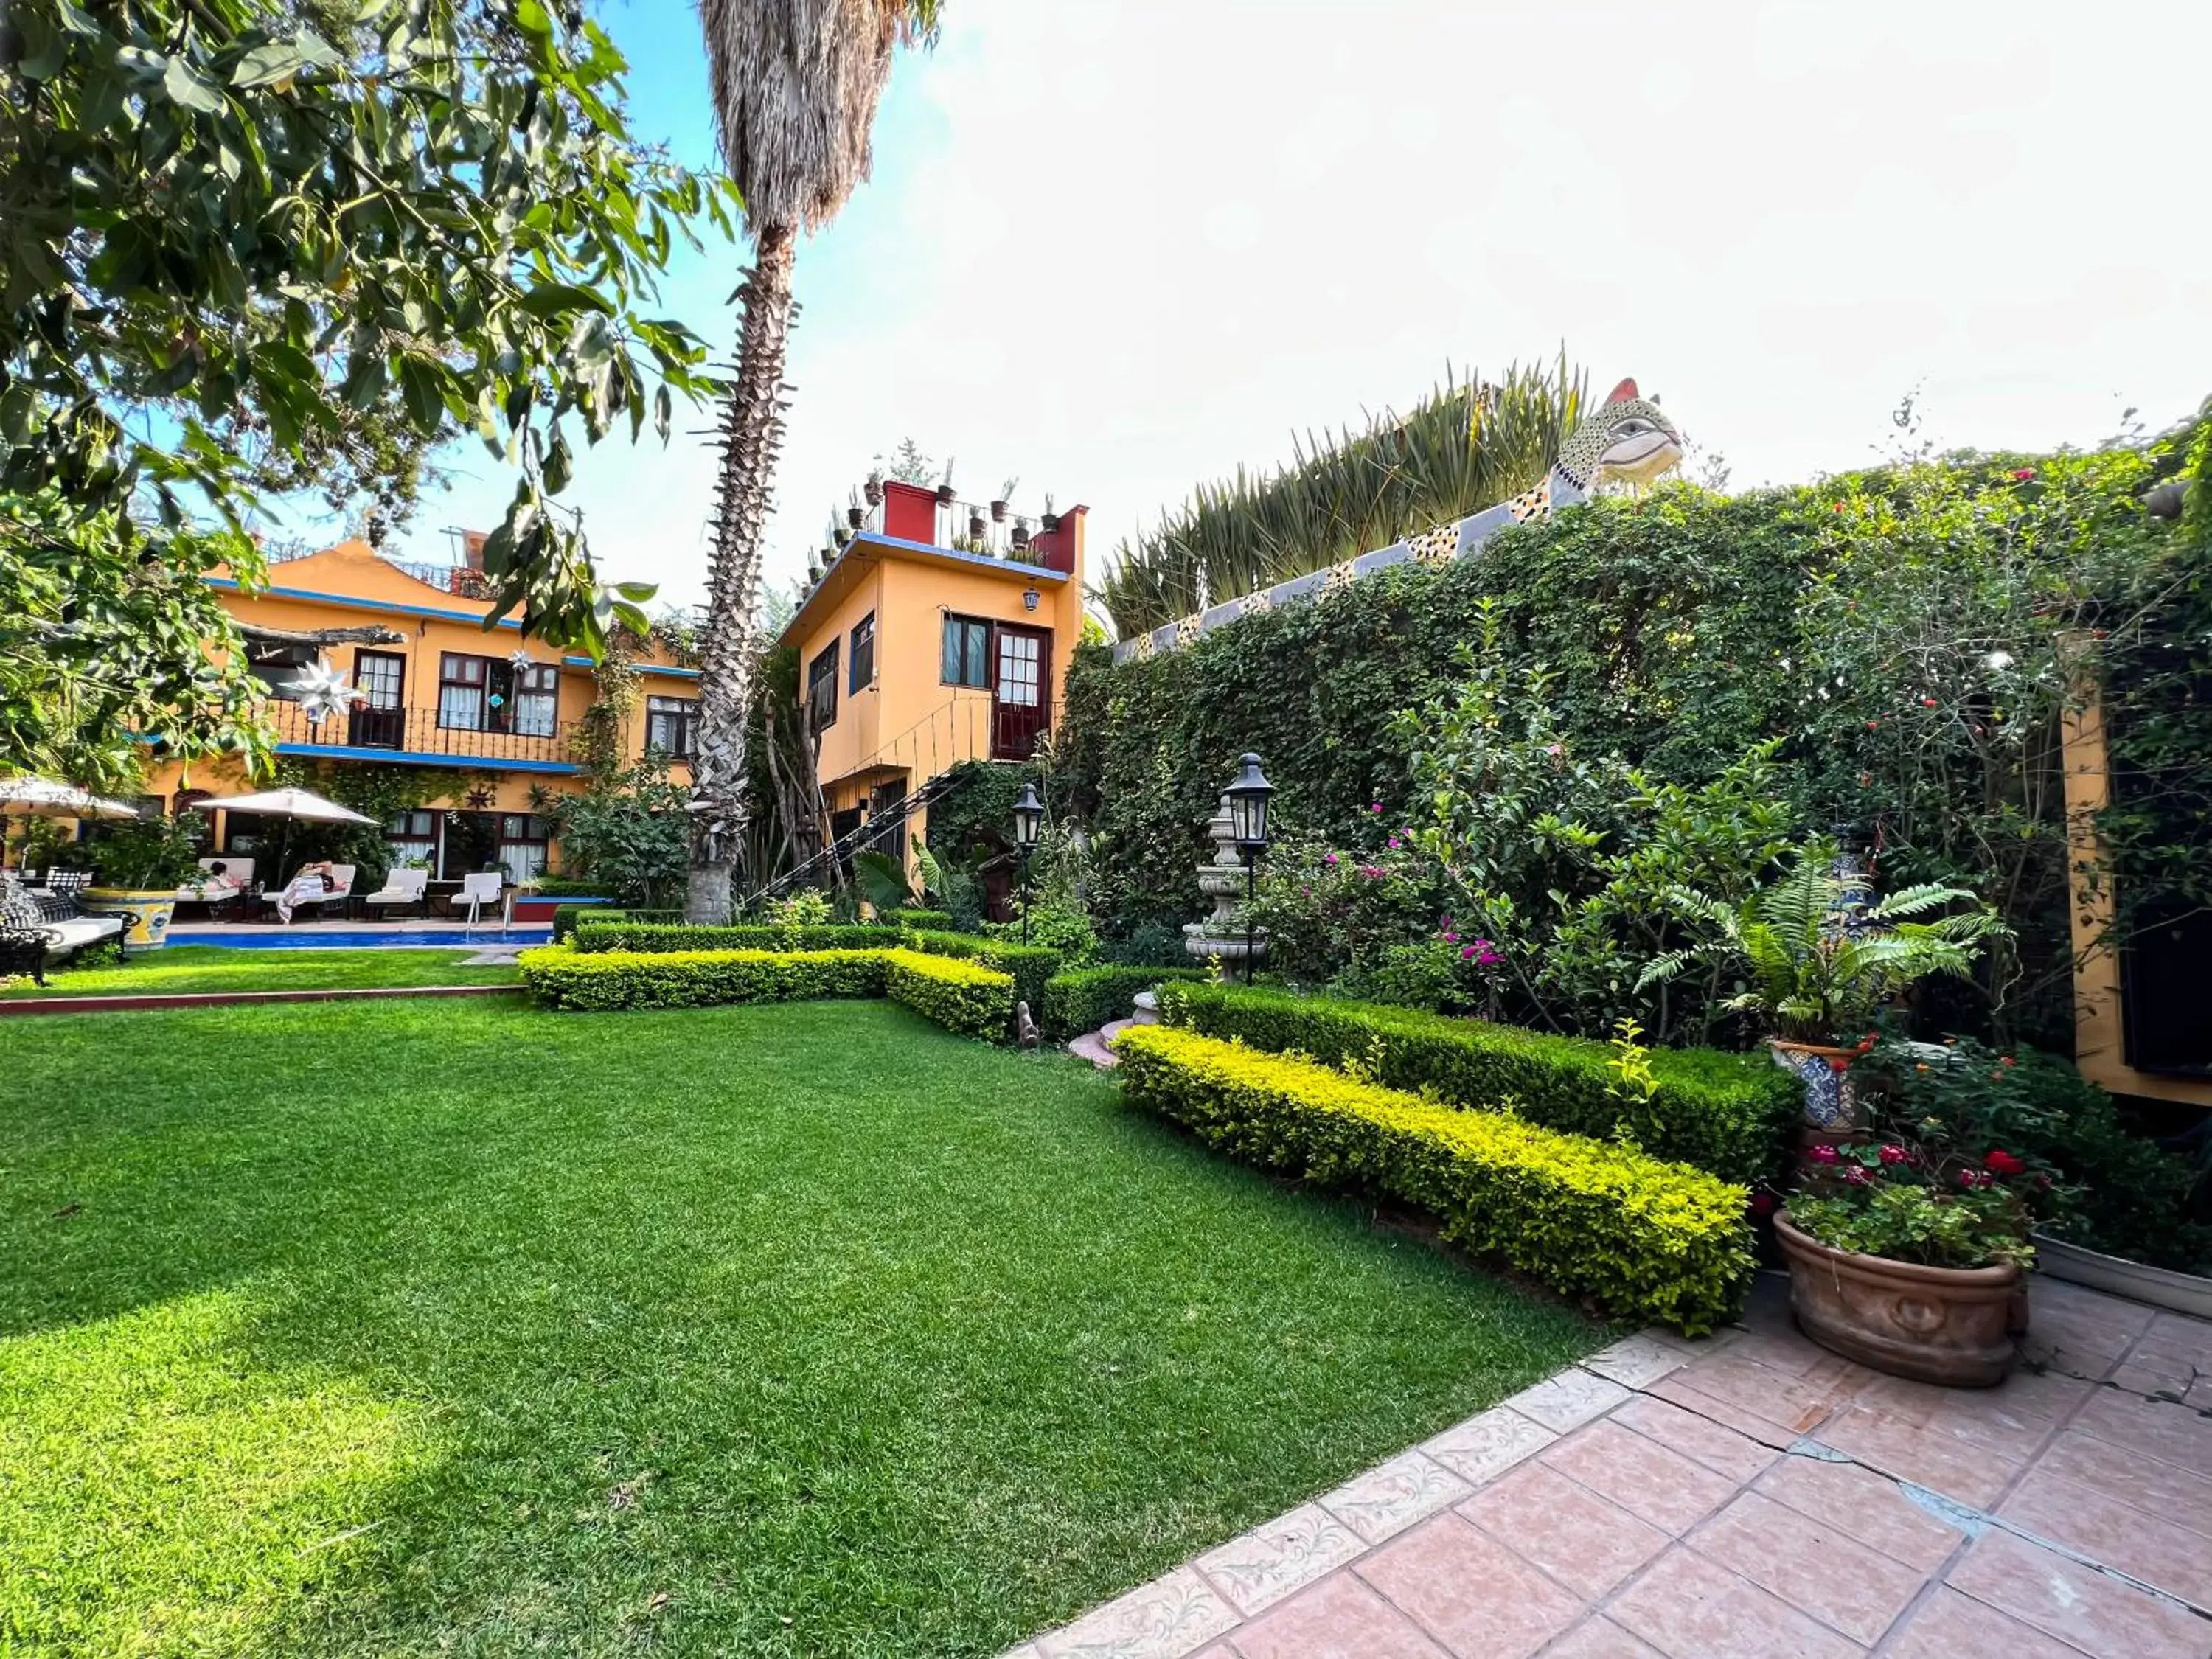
point(1817, 959)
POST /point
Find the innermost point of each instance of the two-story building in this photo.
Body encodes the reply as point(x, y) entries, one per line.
point(937, 635)
point(436, 689)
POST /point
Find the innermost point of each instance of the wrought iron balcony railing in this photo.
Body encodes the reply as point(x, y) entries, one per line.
point(517, 732)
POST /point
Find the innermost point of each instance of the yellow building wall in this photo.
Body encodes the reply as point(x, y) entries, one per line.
point(351, 585)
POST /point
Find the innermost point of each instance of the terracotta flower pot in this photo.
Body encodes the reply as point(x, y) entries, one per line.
point(1947, 1325)
point(1831, 1095)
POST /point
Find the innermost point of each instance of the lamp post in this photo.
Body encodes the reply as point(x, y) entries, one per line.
point(1029, 819)
point(1248, 822)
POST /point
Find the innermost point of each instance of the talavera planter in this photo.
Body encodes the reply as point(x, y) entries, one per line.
point(1831, 1092)
point(1947, 1325)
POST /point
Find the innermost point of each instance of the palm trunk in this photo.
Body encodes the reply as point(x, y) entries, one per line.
point(752, 431)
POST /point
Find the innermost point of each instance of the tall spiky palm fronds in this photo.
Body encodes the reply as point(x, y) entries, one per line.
point(1468, 445)
point(796, 83)
point(1817, 959)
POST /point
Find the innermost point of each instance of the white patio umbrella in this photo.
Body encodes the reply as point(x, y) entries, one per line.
point(28, 797)
point(289, 805)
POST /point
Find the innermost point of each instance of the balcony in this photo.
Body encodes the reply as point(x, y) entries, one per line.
point(413, 735)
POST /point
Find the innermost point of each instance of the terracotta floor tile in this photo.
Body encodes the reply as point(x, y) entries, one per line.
point(1720, 1449)
point(2085, 1340)
point(2076, 1604)
point(1931, 1456)
point(1812, 1566)
point(2180, 1335)
point(1586, 1543)
point(1949, 1625)
point(2145, 1546)
point(1651, 1483)
point(1600, 1638)
point(2150, 1484)
point(1340, 1617)
point(1694, 1608)
point(2009, 1422)
point(1862, 1504)
point(2174, 1433)
point(2149, 1371)
point(1745, 1421)
point(1568, 1401)
point(1799, 1403)
point(1468, 1591)
point(1487, 1445)
point(1636, 1361)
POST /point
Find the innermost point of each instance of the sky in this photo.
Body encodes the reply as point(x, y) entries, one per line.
point(1115, 249)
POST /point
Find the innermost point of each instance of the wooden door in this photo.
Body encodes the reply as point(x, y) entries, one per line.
point(1021, 690)
point(380, 717)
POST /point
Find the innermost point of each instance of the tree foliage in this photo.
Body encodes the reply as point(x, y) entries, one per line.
point(244, 243)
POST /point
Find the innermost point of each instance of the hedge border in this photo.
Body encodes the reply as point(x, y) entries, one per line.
point(1083, 999)
point(1641, 1237)
point(1730, 1114)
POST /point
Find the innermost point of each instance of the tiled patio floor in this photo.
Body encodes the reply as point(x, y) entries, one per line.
point(1750, 1495)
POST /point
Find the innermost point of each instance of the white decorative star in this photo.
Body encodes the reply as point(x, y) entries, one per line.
point(522, 658)
point(320, 690)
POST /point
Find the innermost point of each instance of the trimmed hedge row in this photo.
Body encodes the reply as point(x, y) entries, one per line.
point(912, 916)
point(1030, 965)
point(963, 996)
point(1643, 1238)
point(1085, 999)
point(1727, 1114)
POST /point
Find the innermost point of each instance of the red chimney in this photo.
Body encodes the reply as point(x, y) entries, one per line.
point(910, 511)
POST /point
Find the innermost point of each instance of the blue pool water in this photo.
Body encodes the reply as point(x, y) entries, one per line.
point(237, 938)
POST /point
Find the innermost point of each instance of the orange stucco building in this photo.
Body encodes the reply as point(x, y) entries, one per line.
point(921, 648)
point(498, 710)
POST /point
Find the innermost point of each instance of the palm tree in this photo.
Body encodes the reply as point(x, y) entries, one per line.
point(796, 83)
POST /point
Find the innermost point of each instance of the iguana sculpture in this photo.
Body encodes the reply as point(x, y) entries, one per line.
point(1629, 437)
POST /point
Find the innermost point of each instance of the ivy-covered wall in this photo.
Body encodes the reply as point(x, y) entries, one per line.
point(1898, 631)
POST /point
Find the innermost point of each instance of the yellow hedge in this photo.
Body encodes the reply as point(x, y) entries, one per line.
point(1642, 1239)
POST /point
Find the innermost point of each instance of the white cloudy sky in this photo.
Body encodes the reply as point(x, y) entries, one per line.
point(1118, 248)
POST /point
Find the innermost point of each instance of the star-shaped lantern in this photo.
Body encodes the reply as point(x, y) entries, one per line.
point(320, 690)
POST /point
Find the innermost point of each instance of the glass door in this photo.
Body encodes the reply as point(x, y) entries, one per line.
point(1020, 691)
point(380, 713)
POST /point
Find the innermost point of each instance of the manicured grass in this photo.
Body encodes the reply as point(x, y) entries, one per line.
point(218, 967)
point(421, 1326)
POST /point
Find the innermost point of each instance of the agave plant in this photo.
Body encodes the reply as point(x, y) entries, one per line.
point(1818, 959)
point(1468, 445)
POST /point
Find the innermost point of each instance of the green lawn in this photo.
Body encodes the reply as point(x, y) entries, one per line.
point(219, 968)
point(420, 1326)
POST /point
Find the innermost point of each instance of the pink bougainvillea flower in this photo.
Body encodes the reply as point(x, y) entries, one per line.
point(1375, 806)
point(1451, 938)
point(1394, 843)
point(1331, 859)
point(1466, 952)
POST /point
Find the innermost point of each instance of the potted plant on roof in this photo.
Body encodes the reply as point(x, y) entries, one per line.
point(142, 865)
point(1005, 495)
point(1051, 519)
point(873, 488)
point(1818, 958)
point(1906, 1245)
point(945, 497)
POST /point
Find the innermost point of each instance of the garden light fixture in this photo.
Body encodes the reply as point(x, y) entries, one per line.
point(1247, 800)
point(1028, 820)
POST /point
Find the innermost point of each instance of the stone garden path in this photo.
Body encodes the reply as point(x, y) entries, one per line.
point(1748, 1495)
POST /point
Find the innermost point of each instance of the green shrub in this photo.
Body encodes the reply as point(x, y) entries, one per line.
point(1088, 998)
point(912, 916)
point(568, 917)
point(962, 996)
point(1642, 1239)
point(2134, 1196)
point(1727, 1114)
point(627, 933)
point(563, 978)
point(568, 887)
point(1030, 965)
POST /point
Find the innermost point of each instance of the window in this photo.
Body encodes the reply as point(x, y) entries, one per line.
point(967, 652)
point(822, 689)
point(274, 665)
point(412, 838)
point(522, 846)
point(487, 694)
point(863, 671)
point(672, 725)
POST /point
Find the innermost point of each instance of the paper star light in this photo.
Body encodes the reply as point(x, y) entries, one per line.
point(522, 658)
point(321, 691)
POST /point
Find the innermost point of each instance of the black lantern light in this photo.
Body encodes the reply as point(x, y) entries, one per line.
point(1247, 806)
point(1028, 821)
point(1247, 799)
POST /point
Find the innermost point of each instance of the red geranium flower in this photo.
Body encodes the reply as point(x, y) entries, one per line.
point(1822, 1153)
point(2023, 473)
point(1762, 1203)
point(2004, 1163)
point(1893, 1154)
point(1856, 1176)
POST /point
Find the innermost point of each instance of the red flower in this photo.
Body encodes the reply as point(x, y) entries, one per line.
point(2004, 1059)
point(2004, 1163)
point(1894, 1155)
point(2023, 473)
point(1839, 506)
point(1822, 1153)
point(1856, 1176)
point(1928, 702)
point(1839, 1063)
point(1762, 1203)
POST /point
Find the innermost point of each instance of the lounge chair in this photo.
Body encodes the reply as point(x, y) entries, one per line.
point(224, 880)
point(297, 896)
point(402, 888)
point(478, 888)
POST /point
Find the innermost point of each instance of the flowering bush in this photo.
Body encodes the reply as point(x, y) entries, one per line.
point(1949, 1175)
